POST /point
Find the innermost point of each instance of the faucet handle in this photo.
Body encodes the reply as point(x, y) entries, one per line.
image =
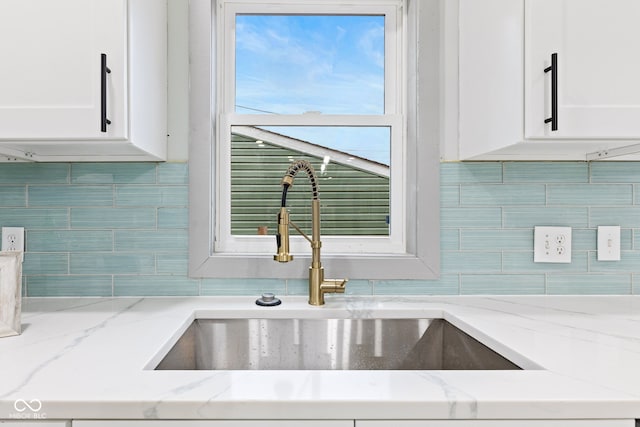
point(334, 286)
point(326, 286)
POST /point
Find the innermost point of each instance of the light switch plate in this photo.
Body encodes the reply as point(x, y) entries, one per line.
point(609, 243)
point(552, 244)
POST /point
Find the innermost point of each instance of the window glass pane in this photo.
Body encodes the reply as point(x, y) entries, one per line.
point(295, 64)
point(354, 190)
point(369, 143)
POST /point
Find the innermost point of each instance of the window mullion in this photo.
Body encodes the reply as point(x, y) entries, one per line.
point(311, 120)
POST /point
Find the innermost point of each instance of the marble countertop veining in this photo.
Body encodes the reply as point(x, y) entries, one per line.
point(90, 358)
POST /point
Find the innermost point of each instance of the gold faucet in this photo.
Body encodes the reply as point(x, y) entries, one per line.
point(318, 285)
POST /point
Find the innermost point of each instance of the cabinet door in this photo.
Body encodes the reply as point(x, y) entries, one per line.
point(216, 423)
point(35, 423)
point(50, 77)
point(497, 423)
point(598, 88)
point(491, 73)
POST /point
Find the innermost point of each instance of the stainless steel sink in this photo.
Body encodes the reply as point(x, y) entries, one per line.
point(328, 344)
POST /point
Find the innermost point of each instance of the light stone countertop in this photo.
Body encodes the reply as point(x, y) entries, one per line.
point(86, 358)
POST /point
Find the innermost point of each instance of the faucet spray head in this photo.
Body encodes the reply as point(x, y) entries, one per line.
point(282, 237)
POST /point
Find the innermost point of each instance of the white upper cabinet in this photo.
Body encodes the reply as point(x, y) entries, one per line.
point(489, 52)
point(506, 98)
point(83, 79)
point(598, 61)
point(50, 82)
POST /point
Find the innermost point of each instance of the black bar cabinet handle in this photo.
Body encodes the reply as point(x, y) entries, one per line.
point(104, 70)
point(554, 91)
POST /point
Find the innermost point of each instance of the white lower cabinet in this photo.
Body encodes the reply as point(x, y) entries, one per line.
point(496, 423)
point(324, 423)
point(357, 423)
point(35, 423)
point(216, 423)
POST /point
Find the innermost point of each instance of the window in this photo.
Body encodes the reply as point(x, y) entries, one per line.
point(331, 82)
point(326, 75)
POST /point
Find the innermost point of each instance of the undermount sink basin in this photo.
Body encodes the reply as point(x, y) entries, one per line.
point(329, 344)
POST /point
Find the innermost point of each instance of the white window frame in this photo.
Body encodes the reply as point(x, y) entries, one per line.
point(393, 118)
point(411, 251)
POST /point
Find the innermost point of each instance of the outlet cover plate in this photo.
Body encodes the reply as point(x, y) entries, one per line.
point(13, 239)
point(552, 244)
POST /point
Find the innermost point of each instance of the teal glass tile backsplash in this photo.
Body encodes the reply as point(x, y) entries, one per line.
point(502, 195)
point(70, 195)
point(13, 196)
point(121, 229)
point(110, 218)
point(596, 194)
point(114, 173)
point(34, 173)
point(545, 172)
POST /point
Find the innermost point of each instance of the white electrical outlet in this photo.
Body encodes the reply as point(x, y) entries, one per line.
point(552, 244)
point(13, 239)
point(609, 243)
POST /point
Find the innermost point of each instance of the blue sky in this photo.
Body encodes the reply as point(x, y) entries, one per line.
point(293, 64)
